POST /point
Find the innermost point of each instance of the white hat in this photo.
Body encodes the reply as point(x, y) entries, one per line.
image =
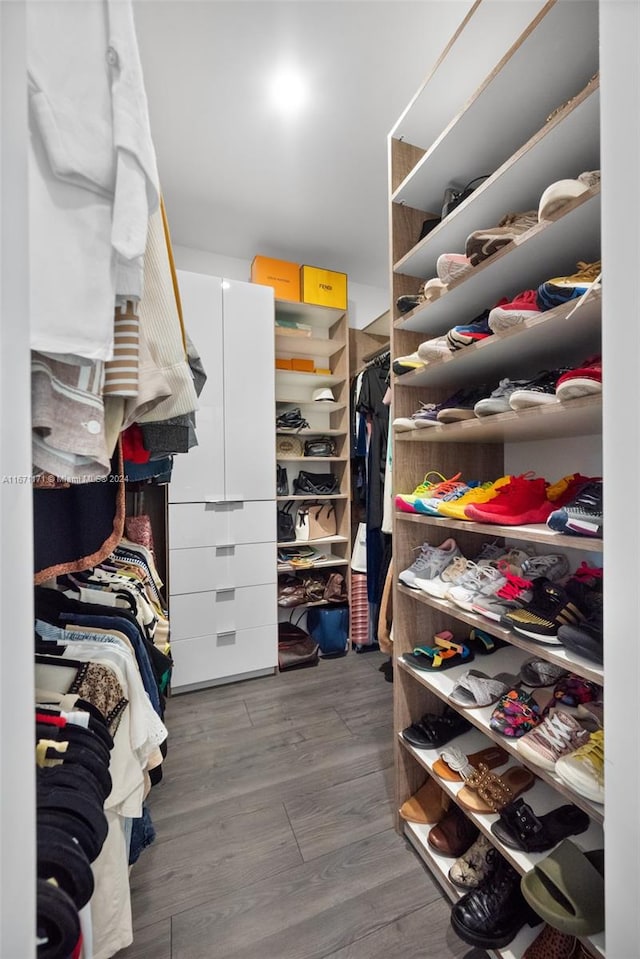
point(323, 395)
point(557, 194)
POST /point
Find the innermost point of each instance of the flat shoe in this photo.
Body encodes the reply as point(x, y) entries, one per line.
point(429, 805)
point(486, 793)
point(520, 828)
point(567, 889)
point(454, 834)
point(433, 731)
point(474, 865)
point(551, 944)
point(476, 689)
point(492, 757)
point(539, 672)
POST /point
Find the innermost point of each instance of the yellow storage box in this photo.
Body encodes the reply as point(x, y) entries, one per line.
point(283, 276)
point(323, 287)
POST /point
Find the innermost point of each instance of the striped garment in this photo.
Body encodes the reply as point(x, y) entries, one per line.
point(121, 372)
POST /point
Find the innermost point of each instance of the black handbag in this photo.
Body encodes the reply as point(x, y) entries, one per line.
point(292, 420)
point(315, 484)
point(286, 525)
point(321, 446)
point(282, 481)
point(453, 198)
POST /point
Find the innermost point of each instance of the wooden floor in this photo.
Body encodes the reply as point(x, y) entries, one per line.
point(274, 828)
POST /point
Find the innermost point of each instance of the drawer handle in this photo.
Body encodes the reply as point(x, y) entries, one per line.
point(225, 545)
point(226, 589)
point(226, 632)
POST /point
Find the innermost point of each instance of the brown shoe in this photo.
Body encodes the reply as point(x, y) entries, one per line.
point(454, 834)
point(427, 806)
point(551, 944)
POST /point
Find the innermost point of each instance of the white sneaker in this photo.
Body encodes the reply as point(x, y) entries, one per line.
point(481, 582)
point(430, 563)
point(451, 576)
point(452, 266)
point(434, 349)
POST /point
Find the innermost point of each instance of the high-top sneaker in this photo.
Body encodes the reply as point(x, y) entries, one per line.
point(520, 501)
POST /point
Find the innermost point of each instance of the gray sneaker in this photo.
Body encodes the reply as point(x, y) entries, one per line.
point(498, 402)
point(430, 563)
point(403, 424)
point(481, 244)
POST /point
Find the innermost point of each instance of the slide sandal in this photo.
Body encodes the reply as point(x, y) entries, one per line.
point(440, 657)
point(453, 762)
point(484, 643)
point(567, 889)
point(476, 689)
point(520, 828)
point(485, 792)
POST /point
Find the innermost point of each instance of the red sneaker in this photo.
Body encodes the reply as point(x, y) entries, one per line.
point(506, 315)
point(585, 380)
point(520, 501)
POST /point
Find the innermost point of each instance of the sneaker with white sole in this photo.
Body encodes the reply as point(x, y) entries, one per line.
point(451, 576)
point(498, 402)
point(511, 595)
point(481, 244)
point(558, 734)
point(481, 582)
point(403, 424)
point(554, 566)
point(452, 266)
point(434, 349)
point(515, 311)
point(430, 563)
point(405, 502)
point(583, 771)
point(407, 364)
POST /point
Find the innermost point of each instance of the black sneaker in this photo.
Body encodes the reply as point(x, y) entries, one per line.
point(549, 608)
point(460, 405)
point(583, 515)
point(538, 391)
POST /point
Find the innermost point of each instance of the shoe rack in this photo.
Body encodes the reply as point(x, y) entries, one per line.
point(490, 106)
point(328, 348)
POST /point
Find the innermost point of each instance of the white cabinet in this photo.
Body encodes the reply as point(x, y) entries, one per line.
point(222, 515)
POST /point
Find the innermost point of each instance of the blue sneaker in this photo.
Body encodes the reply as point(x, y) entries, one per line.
point(478, 329)
point(560, 289)
point(429, 505)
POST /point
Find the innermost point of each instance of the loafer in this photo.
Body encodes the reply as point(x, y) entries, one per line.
point(475, 865)
point(453, 834)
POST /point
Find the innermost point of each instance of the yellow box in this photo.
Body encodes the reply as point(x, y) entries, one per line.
point(302, 366)
point(323, 287)
point(283, 363)
point(283, 276)
point(323, 371)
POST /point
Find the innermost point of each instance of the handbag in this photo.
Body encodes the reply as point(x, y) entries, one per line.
point(336, 589)
point(286, 530)
point(314, 587)
point(282, 481)
point(302, 525)
point(315, 484)
point(329, 628)
point(321, 446)
point(453, 198)
point(321, 520)
point(288, 446)
point(292, 420)
point(296, 649)
point(291, 591)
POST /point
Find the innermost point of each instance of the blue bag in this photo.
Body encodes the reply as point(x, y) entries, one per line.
point(329, 627)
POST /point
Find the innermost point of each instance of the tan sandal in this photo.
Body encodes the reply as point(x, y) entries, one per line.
point(485, 792)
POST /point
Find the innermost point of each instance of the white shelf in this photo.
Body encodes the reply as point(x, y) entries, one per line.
point(553, 653)
point(296, 345)
point(509, 659)
point(311, 432)
point(316, 542)
point(309, 459)
point(285, 499)
point(325, 563)
point(321, 316)
point(536, 533)
point(550, 249)
point(579, 417)
point(313, 380)
point(545, 341)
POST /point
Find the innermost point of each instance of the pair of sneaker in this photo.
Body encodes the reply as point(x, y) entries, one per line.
point(459, 406)
point(548, 386)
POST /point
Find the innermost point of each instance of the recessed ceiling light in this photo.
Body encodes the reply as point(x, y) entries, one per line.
point(288, 91)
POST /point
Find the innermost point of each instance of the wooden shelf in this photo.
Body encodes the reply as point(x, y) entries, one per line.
point(311, 432)
point(550, 249)
point(296, 345)
point(314, 380)
point(535, 533)
point(508, 659)
point(321, 316)
point(543, 341)
point(285, 499)
point(329, 561)
point(324, 406)
point(553, 653)
point(563, 148)
point(309, 459)
point(315, 542)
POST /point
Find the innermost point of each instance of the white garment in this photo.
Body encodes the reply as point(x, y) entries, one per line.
point(111, 900)
point(92, 171)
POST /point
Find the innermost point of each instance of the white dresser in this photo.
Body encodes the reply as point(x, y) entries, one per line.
point(222, 512)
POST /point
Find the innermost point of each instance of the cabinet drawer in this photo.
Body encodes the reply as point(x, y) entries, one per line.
point(221, 524)
point(198, 614)
point(221, 567)
point(213, 657)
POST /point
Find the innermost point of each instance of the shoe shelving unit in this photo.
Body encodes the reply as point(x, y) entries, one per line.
point(328, 347)
point(531, 118)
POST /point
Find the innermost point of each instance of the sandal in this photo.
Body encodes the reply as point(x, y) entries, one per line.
point(433, 731)
point(517, 713)
point(520, 828)
point(444, 655)
point(453, 762)
point(572, 690)
point(485, 792)
point(484, 643)
point(476, 689)
point(539, 672)
point(567, 889)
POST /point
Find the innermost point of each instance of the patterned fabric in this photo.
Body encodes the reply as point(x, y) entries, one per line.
point(359, 611)
point(98, 685)
point(121, 372)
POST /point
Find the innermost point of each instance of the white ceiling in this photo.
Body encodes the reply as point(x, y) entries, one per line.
point(240, 179)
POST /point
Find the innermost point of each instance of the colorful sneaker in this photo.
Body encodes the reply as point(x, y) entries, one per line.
point(498, 401)
point(430, 563)
point(520, 501)
point(452, 266)
point(405, 501)
point(461, 405)
point(406, 364)
point(428, 505)
point(470, 333)
point(513, 594)
point(454, 509)
point(558, 734)
point(560, 289)
point(479, 582)
point(513, 312)
point(516, 714)
point(403, 424)
point(583, 770)
point(434, 349)
point(539, 391)
point(549, 608)
point(582, 516)
point(481, 244)
point(585, 380)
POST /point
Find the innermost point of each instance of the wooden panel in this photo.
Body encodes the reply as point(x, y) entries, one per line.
point(404, 157)
point(407, 226)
